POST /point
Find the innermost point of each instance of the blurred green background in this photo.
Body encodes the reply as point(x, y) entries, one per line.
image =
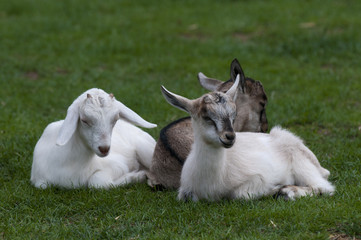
point(307, 54)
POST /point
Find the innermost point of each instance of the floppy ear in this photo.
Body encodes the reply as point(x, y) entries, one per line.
point(70, 124)
point(177, 101)
point(232, 92)
point(130, 116)
point(210, 84)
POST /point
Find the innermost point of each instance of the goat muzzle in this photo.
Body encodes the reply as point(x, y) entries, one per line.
point(228, 139)
point(104, 150)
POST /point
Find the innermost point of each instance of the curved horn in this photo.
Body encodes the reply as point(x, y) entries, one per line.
point(232, 92)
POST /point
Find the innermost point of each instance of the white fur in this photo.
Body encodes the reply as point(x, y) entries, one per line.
point(257, 165)
point(68, 153)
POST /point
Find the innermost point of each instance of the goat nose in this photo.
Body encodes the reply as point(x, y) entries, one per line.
point(230, 136)
point(104, 149)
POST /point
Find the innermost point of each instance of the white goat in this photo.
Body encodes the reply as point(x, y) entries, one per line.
point(258, 164)
point(175, 140)
point(94, 146)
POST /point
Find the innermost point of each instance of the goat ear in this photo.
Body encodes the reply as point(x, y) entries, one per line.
point(236, 69)
point(130, 116)
point(232, 92)
point(177, 101)
point(210, 84)
point(70, 124)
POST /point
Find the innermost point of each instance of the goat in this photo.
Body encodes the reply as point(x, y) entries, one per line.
point(95, 146)
point(225, 164)
point(175, 141)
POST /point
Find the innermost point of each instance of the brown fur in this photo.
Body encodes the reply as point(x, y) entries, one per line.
point(171, 152)
point(176, 139)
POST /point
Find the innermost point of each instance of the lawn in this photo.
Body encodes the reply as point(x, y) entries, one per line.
point(307, 54)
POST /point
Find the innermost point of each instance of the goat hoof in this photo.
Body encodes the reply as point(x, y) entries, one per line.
point(187, 196)
point(158, 187)
point(284, 194)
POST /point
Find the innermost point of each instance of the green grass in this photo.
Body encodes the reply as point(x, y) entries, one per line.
point(306, 53)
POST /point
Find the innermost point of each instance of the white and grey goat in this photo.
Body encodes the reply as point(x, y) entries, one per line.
point(225, 164)
point(175, 140)
point(96, 145)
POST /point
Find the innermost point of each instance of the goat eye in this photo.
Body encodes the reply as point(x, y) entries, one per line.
point(208, 120)
point(85, 122)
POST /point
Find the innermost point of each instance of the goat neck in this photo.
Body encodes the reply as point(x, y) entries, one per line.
point(206, 155)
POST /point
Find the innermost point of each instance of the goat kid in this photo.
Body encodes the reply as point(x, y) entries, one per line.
point(255, 165)
point(176, 139)
point(96, 145)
